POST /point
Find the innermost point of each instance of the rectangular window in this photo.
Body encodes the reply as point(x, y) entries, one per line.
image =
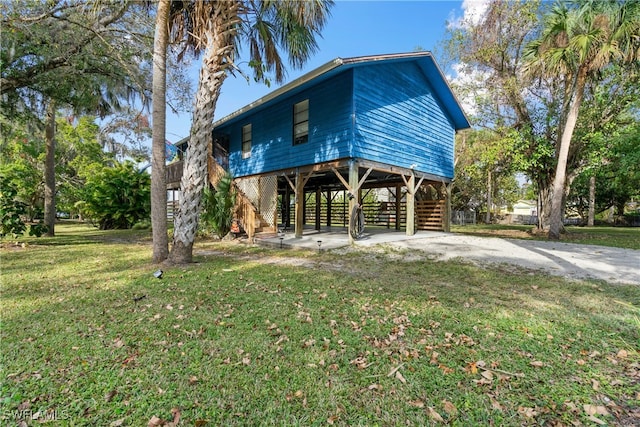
point(301, 122)
point(246, 141)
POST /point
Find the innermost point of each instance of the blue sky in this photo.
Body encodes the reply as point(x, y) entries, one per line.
point(355, 28)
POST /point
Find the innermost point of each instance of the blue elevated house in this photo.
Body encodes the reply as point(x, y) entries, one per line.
point(311, 148)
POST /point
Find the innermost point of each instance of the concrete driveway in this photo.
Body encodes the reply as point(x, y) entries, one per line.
point(570, 260)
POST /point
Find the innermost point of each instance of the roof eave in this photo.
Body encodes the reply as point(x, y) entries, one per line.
point(283, 89)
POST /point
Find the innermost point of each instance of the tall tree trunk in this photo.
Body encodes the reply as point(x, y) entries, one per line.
point(50, 170)
point(592, 201)
point(489, 201)
point(194, 176)
point(158, 150)
point(559, 181)
point(544, 204)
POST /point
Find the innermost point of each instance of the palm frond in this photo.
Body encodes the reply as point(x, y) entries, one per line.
point(274, 29)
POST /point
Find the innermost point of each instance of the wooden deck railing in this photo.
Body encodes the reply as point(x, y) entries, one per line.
point(174, 174)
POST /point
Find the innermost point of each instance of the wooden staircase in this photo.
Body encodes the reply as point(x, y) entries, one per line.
point(245, 211)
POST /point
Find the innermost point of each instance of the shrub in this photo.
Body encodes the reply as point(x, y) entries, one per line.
point(116, 197)
point(11, 210)
point(217, 210)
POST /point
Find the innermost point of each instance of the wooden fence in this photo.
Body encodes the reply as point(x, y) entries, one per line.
point(429, 215)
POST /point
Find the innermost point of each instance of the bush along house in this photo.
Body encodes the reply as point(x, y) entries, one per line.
point(314, 150)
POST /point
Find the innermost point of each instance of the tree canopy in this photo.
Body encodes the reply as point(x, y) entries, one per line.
point(557, 76)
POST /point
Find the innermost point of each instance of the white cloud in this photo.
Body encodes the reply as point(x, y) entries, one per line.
point(468, 82)
point(472, 12)
point(469, 86)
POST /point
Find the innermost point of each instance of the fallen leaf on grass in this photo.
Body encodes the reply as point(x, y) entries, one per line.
point(537, 364)
point(176, 416)
point(495, 404)
point(400, 377)
point(297, 395)
point(159, 422)
point(445, 369)
point(117, 423)
point(360, 362)
point(332, 419)
point(597, 420)
point(527, 412)
point(571, 406)
point(449, 407)
point(129, 359)
point(482, 381)
point(595, 410)
point(416, 403)
point(471, 368)
point(109, 396)
point(394, 370)
point(193, 379)
point(434, 415)
point(622, 354)
point(488, 375)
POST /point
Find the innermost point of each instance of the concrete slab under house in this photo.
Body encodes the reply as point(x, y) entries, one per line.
point(364, 142)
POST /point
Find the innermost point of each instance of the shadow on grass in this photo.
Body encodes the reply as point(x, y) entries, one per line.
point(71, 233)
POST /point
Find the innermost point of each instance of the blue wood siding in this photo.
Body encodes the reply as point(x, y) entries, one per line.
point(330, 130)
point(399, 121)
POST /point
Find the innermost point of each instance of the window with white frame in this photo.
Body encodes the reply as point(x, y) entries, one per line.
point(246, 141)
point(301, 122)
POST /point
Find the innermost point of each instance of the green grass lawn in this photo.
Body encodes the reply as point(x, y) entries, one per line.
point(255, 336)
point(619, 237)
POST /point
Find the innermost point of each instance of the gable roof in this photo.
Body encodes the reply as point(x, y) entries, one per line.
point(424, 59)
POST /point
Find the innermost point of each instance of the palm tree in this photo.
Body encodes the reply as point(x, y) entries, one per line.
point(159, 109)
point(578, 43)
point(218, 28)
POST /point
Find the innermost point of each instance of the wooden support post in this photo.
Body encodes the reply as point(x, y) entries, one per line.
point(398, 206)
point(287, 208)
point(446, 221)
point(353, 183)
point(411, 205)
point(299, 200)
point(304, 207)
point(329, 200)
point(318, 206)
point(345, 206)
